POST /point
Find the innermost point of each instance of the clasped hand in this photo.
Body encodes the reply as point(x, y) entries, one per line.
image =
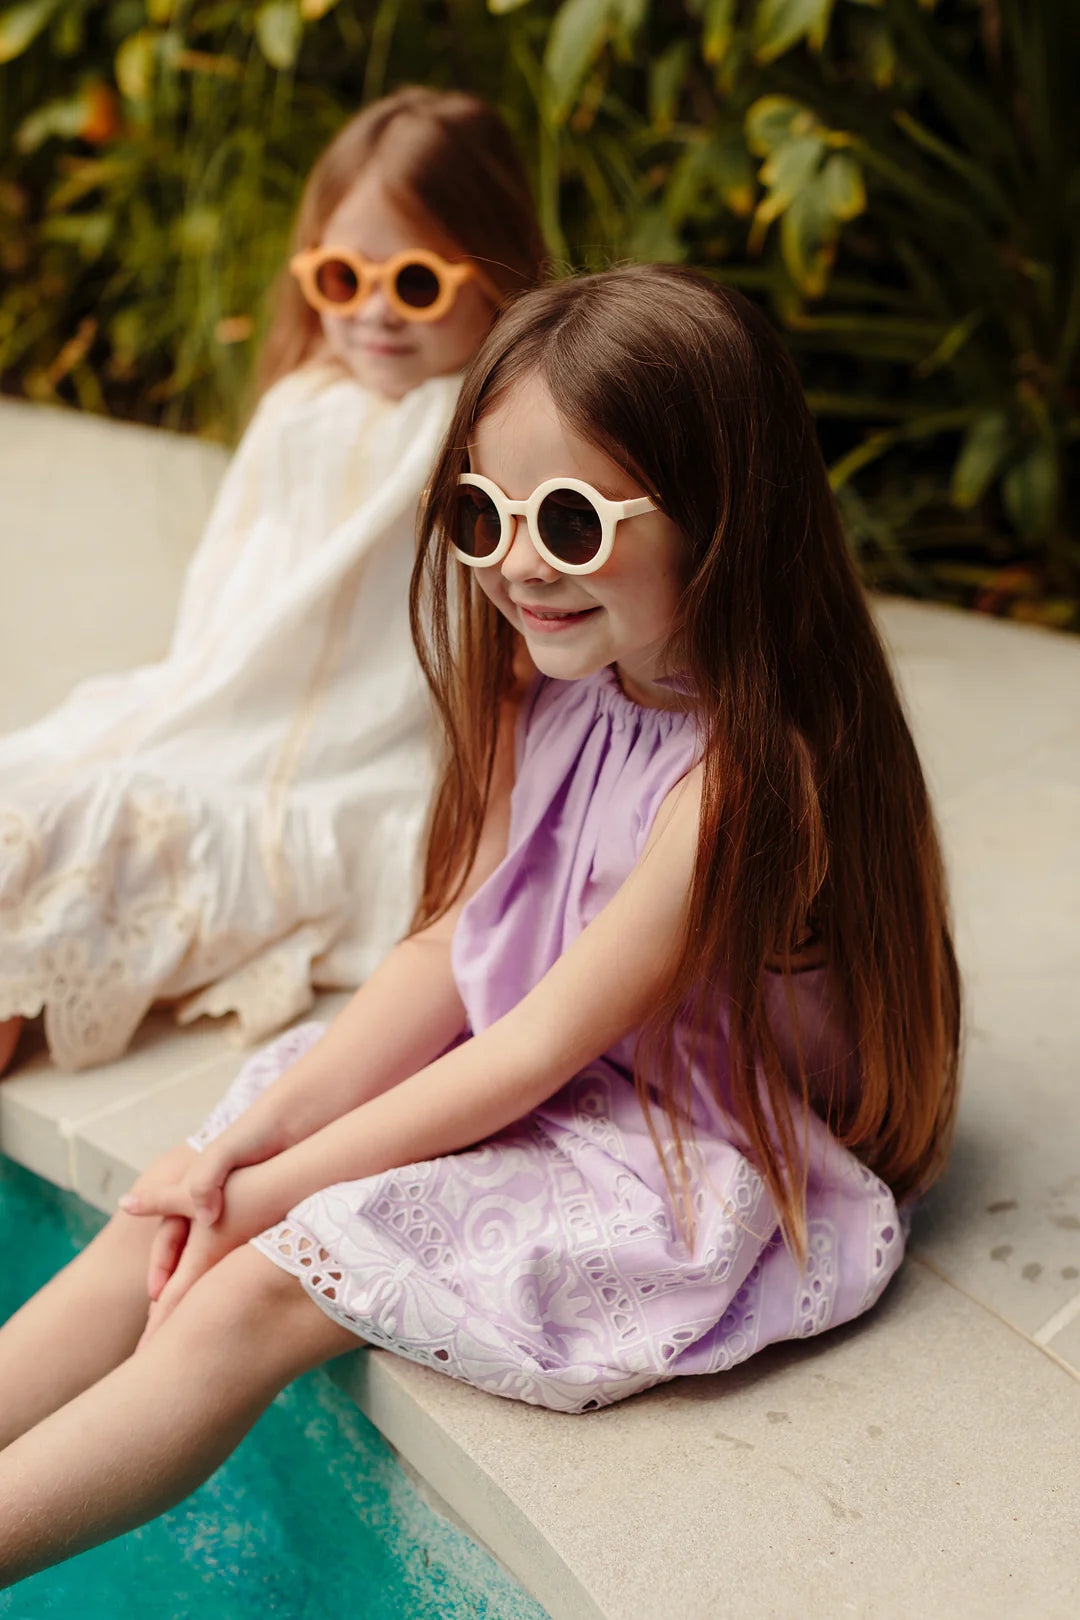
point(201, 1221)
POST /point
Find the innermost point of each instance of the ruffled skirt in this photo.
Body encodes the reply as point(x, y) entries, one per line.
point(544, 1264)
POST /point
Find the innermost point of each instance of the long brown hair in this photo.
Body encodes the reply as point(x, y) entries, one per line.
point(444, 154)
point(815, 819)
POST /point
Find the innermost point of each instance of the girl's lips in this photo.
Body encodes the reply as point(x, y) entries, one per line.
point(370, 347)
point(549, 621)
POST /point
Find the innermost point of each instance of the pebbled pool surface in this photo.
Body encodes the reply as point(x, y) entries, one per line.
point(310, 1519)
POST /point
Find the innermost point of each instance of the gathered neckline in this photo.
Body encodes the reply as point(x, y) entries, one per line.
point(611, 695)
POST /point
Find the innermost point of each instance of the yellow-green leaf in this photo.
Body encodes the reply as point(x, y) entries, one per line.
point(278, 29)
point(718, 30)
point(196, 231)
point(845, 193)
point(89, 233)
point(789, 169)
point(312, 10)
point(134, 64)
point(629, 16)
point(666, 78)
point(780, 24)
point(808, 240)
point(1030, 488)
point(576, 39)
point(770, 121)
point(981, 454)
point(20, 26)
point(63, 117)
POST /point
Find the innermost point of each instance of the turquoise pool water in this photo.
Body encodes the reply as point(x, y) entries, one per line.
point(310, 1519)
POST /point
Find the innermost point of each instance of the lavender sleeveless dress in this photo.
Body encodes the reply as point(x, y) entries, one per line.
point(545, 1263)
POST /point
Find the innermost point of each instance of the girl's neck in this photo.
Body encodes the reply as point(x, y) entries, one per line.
point(662, 693)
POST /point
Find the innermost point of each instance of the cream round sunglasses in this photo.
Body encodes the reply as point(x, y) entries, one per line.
point(571, 525)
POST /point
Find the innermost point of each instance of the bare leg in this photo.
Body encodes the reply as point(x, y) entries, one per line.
point(10, 1030)
point(148, 1433)
point(81, 1325)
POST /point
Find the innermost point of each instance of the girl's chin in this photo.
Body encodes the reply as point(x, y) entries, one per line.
point(387, 375)
point(564, 663)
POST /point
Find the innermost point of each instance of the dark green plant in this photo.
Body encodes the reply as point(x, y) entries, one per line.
point(899, 181)
point(910, 178)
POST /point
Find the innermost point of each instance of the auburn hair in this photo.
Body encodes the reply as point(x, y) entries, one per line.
point(444, 156)
point(815, 819)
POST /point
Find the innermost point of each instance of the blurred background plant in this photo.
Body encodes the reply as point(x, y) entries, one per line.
point(898, 181)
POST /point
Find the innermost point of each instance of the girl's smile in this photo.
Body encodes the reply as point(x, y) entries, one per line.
point(546, 620)
point(576, 625)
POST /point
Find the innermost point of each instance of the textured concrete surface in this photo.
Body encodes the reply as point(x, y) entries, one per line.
point(922, 1462)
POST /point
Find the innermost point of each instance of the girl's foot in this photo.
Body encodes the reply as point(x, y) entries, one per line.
point(9, 1039)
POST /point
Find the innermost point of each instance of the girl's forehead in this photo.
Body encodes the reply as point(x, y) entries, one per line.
point(522, 441)
point(371, 220)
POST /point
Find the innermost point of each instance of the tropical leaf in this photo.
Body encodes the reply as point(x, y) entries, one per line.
point(718, 30)
point(134, 64)
point(666, 79)
point(21, 24)
point(780, 24)
point(1030, 488)
point(279, 29)
point(985, 447)
point(577, 37)
point(772, 120)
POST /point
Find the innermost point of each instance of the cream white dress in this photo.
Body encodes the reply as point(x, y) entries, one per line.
point(238, 824)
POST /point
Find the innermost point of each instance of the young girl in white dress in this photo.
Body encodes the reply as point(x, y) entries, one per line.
point(231, 827)
point(676, 1030)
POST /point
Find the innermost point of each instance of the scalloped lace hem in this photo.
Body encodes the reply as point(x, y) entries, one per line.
point(91, 1012)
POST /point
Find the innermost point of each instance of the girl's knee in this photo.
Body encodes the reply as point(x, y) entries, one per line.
point(246, 1296)
point(246, 1290)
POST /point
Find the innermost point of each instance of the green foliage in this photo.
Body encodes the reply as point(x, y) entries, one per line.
point(898, 180)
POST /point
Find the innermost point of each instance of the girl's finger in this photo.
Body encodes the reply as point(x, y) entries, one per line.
point(165, 1253)
point(193, 1262)
point(207, 1192)
point(153, 1201)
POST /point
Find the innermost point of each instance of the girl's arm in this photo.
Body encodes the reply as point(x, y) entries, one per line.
point(407, 1012)
point(602, 988)
point(599, 990)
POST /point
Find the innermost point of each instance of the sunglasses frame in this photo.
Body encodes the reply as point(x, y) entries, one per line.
point(610, 513)
point(372, 273)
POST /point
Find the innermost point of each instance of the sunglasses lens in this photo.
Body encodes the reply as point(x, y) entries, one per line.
point(570, 526)
point(336, 281)
point(477, 528)
point(417, 285)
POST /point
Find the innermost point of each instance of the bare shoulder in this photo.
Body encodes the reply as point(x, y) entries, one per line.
point(675, 828)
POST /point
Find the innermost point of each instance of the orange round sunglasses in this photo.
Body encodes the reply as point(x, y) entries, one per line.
point(419, 285)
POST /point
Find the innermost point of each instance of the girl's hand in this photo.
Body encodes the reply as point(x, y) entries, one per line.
point(203, 1248)
point(165, 1252)
point(182, 1256)
point(198, 1193)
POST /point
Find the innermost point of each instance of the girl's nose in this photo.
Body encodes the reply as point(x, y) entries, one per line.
point(376, 310)
point(523, 562)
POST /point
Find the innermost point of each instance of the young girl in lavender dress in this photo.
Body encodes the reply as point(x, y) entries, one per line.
point(234, 826)
point(676, 1030)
